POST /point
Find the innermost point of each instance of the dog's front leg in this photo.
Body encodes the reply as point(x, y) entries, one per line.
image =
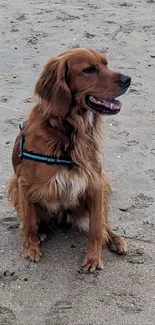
point(30, 249)
point(98, 235)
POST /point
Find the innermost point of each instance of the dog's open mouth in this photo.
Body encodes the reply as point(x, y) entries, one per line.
point(104, 106)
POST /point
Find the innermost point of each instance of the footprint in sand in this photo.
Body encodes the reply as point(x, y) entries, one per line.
point(7, 316)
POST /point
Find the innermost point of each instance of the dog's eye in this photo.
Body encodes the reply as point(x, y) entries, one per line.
point(90, 69)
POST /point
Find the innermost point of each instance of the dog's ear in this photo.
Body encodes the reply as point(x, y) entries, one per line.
point(52, 87)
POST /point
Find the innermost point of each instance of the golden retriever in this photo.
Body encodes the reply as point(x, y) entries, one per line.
point(57, 155)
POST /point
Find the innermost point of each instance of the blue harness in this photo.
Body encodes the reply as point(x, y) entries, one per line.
point(67, 161)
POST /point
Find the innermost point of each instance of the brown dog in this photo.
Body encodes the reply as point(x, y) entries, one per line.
point(57, 155)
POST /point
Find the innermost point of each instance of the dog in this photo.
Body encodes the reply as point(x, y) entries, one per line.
point(57, 156)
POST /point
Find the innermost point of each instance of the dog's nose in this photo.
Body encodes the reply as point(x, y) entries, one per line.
point(124, 81)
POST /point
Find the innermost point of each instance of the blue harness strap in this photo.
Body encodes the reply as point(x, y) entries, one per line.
point(67, 161)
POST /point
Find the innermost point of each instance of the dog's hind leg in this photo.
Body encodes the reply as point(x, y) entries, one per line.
point(29, 229)
point(13, 192)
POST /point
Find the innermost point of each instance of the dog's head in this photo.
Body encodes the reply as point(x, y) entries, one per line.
point(81, 78)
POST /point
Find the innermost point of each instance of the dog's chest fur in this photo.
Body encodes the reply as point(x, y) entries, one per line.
point(63, 190)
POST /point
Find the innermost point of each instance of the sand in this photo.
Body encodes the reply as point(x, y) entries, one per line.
point(55, 291)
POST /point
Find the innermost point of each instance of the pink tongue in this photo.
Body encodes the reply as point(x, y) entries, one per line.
point(112, 104)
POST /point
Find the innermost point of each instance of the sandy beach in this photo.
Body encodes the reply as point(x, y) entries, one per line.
point(55, 291)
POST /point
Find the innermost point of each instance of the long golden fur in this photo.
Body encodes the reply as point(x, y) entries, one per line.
point(62, 123)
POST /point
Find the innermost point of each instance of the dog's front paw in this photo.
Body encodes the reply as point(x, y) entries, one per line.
point(118, 244)
point(32, 253)
point(92, 263)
